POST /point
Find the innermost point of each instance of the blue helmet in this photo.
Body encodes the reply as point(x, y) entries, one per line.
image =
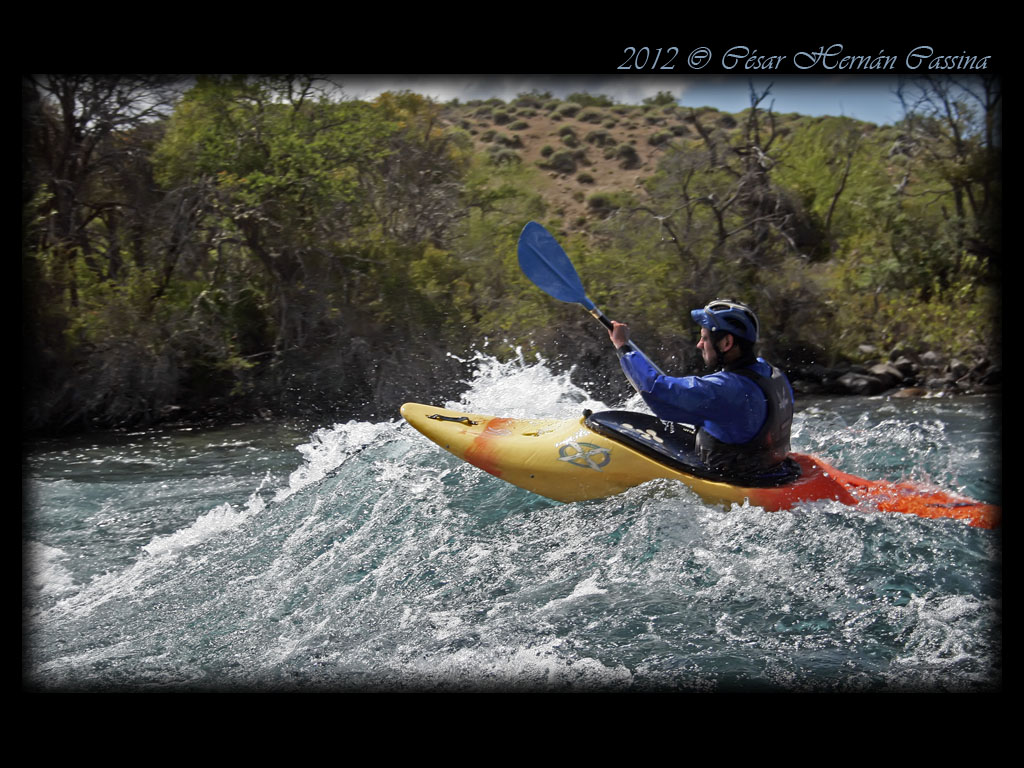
point(729, 316)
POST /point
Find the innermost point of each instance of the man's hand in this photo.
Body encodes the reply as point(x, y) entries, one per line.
point(619, 334)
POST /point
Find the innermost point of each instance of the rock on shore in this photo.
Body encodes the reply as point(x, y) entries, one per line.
point(903, 373)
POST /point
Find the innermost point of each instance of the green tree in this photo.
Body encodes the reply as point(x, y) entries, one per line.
point(953, 128)
point(84, 134)
point(662, 99)
point(585, 99)
point(276, 166)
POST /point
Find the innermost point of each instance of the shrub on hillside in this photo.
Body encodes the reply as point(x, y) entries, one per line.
point(562, 161)
point(606, 203)
point(508, 141)
point(591, 100)
point(568, 109)
point(627, 156)
point(534, 99)
point(505, 156)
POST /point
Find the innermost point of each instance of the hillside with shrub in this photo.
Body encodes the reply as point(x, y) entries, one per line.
point(267, 247)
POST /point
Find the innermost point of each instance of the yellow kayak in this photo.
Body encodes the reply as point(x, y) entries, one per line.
point(588, 457)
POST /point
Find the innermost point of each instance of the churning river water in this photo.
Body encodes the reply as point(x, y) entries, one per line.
point(362, 557)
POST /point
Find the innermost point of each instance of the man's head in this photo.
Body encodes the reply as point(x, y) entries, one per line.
point(728, 331)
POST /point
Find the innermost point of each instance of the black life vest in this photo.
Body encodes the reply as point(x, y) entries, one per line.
point(769, 447)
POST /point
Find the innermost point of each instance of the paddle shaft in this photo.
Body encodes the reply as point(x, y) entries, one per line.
point(633, 347)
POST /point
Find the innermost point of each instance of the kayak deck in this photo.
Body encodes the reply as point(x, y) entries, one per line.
point(565, 460)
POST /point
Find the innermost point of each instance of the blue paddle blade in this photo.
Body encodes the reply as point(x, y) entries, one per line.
point(543, 261)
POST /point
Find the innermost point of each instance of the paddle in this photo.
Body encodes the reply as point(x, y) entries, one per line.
point(543, 261)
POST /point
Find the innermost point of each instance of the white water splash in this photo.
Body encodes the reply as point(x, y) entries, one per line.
point(586, 588)
point(521, 389)
point(215, 522)
point(330, 448)
point(143, 575)
point(537, 667)
point(44, 573)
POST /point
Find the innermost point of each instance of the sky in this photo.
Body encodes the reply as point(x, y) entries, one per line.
point(864, 97)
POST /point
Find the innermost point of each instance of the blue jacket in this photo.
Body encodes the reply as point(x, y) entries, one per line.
point(728, 406)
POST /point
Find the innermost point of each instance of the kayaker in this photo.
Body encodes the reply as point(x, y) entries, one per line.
point(743, 411)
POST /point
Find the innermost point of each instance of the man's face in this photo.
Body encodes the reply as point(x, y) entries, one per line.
point(707, 348)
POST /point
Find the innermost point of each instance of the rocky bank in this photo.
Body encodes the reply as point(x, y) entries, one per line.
point(903, 372)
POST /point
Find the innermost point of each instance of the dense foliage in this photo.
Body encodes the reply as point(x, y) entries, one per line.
point(266, 243)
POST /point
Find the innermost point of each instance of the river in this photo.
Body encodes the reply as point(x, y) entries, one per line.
point(362, 557)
